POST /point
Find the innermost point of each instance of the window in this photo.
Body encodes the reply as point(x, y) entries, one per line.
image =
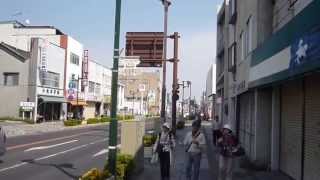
point(243, 45)
point(49, 79)
point(232, 57)
point(249, 35)
point(11, 79)
point(98, 89)
point(91, 87)
point(74, 59)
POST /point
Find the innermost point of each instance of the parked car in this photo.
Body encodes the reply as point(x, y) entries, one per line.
point(3, 140)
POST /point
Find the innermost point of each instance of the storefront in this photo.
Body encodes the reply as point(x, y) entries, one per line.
point(291, 63)
point(50, 108)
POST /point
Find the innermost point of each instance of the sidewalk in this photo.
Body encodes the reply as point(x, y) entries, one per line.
point(19, 128)
point(178, 170)
point(239, 172)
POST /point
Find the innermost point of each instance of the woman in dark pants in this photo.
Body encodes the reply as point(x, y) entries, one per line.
point(164, 147)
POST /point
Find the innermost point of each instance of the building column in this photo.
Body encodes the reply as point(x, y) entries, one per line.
point(275, 129)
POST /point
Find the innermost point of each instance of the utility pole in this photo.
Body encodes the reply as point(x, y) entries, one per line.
point(189, 84)
point(166, 5)
point(175, 85)
point(113, 129)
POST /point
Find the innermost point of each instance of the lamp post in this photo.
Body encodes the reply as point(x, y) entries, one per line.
point(113, 130)
point(166, 4)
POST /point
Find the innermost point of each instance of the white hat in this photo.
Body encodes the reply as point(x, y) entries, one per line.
point(227, 126)
point(166, 124)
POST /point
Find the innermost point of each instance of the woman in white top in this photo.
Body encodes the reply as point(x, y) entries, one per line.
point(195, 145)
point(164, 146)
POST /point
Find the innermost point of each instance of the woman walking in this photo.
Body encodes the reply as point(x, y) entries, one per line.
point(194, 143)
point(164, 146)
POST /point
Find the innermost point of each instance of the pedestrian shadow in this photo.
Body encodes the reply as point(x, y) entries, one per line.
point(60, 167)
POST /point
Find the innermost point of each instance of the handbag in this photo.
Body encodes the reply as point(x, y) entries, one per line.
point(154, 158)
point(239, 152)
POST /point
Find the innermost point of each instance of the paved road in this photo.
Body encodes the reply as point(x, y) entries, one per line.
point(57, 155)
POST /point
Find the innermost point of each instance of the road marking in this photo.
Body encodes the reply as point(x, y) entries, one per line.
point(53, 155)
point(51, 146)
point(104, 151)
point(46, 141)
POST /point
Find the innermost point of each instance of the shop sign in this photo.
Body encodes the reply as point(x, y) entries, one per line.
point(27, 106)
point(305, 49)
point(43, 56)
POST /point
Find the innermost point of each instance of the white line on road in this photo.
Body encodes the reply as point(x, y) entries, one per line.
point(53, 155)
point(51, 146)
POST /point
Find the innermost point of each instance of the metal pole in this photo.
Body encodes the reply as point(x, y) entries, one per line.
point(190, 98)
point(113, 129)
point(175, 83)
point(77, 98)
point(166, 5)
point(182, 104)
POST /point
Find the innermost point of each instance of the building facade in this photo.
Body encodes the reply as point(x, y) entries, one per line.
point(210, 94)
point(142, 87)
point(18, 35)
point(273, 62)
point(36, 76)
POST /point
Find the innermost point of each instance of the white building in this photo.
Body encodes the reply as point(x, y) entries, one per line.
point(18, 35)
point(35, 77)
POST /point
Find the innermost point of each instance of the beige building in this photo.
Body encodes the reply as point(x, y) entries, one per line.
point(141, 87)
point(267, 69)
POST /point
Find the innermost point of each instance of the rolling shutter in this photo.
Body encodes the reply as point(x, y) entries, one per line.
point(312, 129)
point(291, 129)
point(246, 132)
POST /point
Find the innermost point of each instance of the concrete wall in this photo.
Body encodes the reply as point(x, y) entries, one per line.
point(283, 13)
point(12, 96)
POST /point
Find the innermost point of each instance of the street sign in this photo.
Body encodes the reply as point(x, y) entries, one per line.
point(147, 45)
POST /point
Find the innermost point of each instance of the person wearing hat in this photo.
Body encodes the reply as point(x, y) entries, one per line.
point(228, 144)
point(164, 146)
point(194, 146)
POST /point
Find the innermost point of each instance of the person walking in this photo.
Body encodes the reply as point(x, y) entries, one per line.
point(195, 144)
point(228, 145)
point(216, 130)
point(164, 146)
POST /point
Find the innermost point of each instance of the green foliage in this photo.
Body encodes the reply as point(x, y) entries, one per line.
point(124, 117)
point(72, 122)
point(105, 119)
point(28, 121)
point(180, 124)
point(93, 174)
point(93, 121)
point(124, 167)
point(149, 140)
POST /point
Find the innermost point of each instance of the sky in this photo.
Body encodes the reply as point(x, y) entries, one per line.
point(91, 22)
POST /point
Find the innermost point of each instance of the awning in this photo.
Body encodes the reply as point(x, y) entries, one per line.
point(53, 99)
point(78, 103)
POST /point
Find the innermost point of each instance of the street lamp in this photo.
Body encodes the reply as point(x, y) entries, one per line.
point(166, 4)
